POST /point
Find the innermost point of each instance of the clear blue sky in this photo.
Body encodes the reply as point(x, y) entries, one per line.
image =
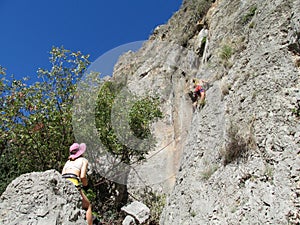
point(29, 28)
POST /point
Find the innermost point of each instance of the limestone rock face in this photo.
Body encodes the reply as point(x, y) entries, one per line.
point(41, 198)
point(255, 89)
point(236, 161)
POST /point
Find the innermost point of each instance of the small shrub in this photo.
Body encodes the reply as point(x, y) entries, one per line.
point(251, 25)
point(225, 54)
point(193, 214)
point(199, 8)
point(269, 172)
point(156, 203)
point(239, 143)
point(249, 15)
point(296, 110)
point(209, 171)
point(193, 12)
point(203, 41)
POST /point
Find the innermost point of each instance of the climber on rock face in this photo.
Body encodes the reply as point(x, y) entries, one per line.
point(75, 171)
point(198, 94)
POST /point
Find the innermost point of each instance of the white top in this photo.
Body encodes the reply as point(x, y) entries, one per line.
point(75, 164)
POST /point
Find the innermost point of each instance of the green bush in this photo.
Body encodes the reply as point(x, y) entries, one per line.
point(136, 122)
point(156, 203)
point(226, 52)
point(247, 18)
point(123, 122)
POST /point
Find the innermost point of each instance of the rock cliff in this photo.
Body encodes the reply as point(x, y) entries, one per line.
point(236, 161)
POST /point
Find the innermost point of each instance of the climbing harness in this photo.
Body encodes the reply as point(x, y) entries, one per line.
point(73, 178)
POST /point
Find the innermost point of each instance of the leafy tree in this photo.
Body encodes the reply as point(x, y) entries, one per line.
point(36, 127)
point(123, 122)
point(134, 139)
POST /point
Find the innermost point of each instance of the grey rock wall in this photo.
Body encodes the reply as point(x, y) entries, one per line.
point(251, 62)
point(258, 90)
point(164, 69)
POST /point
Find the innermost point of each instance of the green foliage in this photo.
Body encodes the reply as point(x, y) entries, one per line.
point(199, 8)
point(203, 41)
point(133, 126)
point(296, 110)
point(105, 102)
point(246, 18)
point(90, 194)
point(123, 122)
point(36, 128)
point(194, 11)
point(142, 114)
point(156, 203)
point(225, 54)
point(2, 70)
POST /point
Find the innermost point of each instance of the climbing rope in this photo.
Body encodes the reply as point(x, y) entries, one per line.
point(134, 168)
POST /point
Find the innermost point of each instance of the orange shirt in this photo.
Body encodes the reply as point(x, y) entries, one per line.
point(199, 89)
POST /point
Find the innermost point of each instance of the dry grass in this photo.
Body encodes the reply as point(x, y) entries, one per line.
point(240, 141)
point(209, 171)
point(225, 53)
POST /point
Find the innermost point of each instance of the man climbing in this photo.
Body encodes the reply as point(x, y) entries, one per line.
point(198, 94)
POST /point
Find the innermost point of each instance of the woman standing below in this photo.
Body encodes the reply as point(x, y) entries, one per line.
point(75, 171)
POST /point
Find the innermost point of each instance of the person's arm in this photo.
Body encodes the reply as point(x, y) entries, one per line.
point(201, 82)
point(83, 173)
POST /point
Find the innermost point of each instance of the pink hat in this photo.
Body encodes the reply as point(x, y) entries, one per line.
point(77, 150)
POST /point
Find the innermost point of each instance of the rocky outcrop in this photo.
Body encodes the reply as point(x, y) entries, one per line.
point(41, 198)
point(162, 69)
point(237, 160)
point(251, 101)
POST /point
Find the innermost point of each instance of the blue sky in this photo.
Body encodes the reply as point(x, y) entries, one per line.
point(29, 28)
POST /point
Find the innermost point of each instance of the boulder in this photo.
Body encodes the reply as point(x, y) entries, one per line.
point(137, 210)
point(41, 198)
